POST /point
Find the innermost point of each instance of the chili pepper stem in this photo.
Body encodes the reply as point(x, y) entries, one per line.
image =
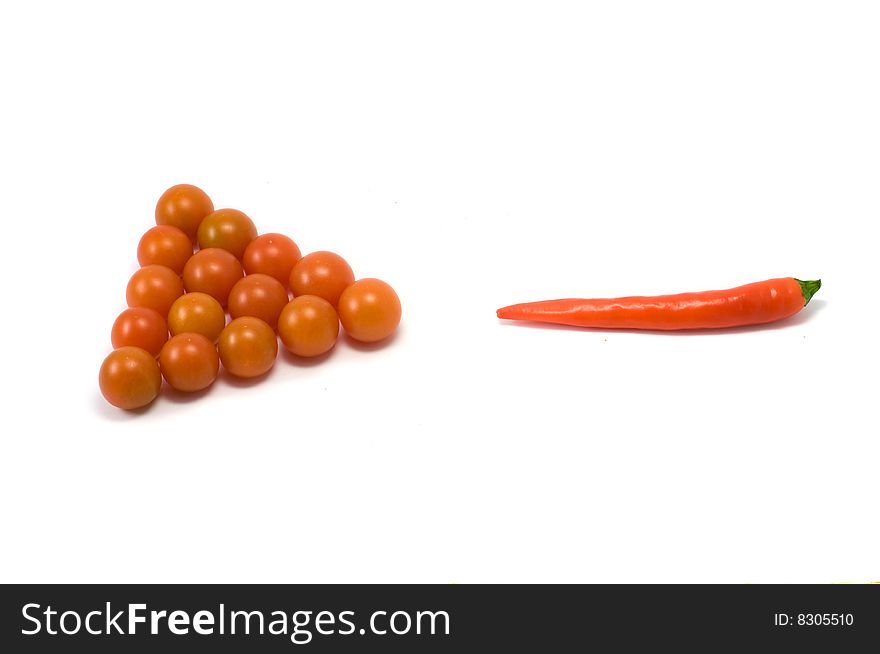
point(809, 288)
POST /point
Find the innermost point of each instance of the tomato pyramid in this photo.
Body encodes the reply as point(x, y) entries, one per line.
point(212, 294)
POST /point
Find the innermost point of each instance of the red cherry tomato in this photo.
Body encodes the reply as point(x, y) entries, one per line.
point(229, 229)
point(248, 347)
point(212, 271)
point(197, 313)
point(324, 274)
point(130, 378)
point(259, 296)
point(369, 310)
point(189, 362)
point(141, 327)
point(155, 287)
point(308, 326)
point(165, 245)
point(271, 254)
point(183, 206)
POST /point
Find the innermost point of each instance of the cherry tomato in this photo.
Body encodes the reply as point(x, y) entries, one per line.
point(165, 245)
point(155, 287)
point(229, 229)
point(141, 327)
point(324, 274)
point(183, 206)
point(130, 378)
point(197, 313)
point(248, 347)
point(189, 362)
point(212, 271)
point(369, 310)
point(271, 254)
point(259, 296)
point(308, 326)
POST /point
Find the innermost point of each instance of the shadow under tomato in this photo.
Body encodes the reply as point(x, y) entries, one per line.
point(799, 318)
point(306, 362)
point(115, 414)
point(360, 346)
point(183, 397)
point(244, 382)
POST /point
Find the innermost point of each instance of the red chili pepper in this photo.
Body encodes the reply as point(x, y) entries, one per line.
point(752, 304)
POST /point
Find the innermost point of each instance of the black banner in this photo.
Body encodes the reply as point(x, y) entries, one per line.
point(420, 618)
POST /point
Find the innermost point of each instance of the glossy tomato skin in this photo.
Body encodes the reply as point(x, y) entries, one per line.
point(213, 271)
point(140, 327)
point(183, 206)
point(197, 313)
point(273, 255)
point(130, 378)
point(155, 287)
point(321, 273)
point(189, 362)
point(369, 310)
point(229, 229)
point(165, 245)
point(308, 326)
point(248, 347)
point(260, 296)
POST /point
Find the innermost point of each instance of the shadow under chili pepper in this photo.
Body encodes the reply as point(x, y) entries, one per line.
point(799, 318)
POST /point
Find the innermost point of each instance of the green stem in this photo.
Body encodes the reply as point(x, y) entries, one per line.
point(809, 288)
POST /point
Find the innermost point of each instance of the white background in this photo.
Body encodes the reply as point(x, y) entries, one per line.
point(473, 154)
